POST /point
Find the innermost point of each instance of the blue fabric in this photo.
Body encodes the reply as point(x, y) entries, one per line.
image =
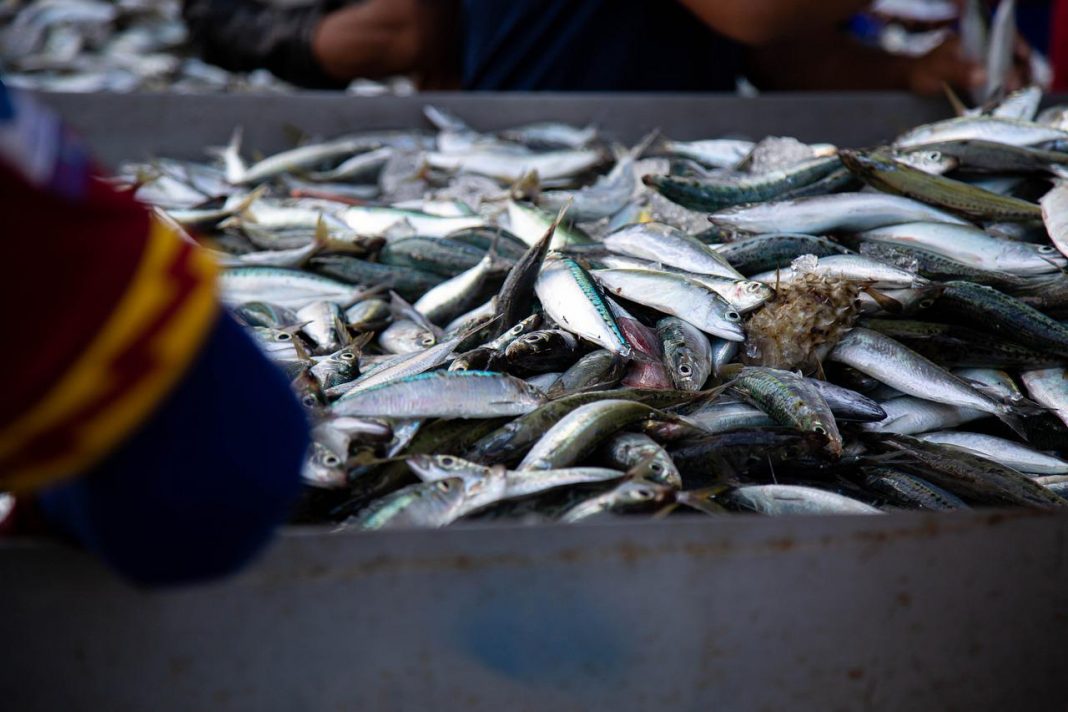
point(199, 488)
point(593, 45)
point(6, 109)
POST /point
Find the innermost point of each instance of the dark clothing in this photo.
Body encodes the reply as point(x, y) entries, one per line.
point(593, 45)
point(201, 485)
point(242, 35)
point(556, 45)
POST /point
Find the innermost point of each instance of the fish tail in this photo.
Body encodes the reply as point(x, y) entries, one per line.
point(1008, 414)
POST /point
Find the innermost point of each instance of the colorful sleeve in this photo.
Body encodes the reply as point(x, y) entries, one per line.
point(109, 304)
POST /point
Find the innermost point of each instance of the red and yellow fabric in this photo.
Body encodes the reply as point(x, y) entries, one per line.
point(104, 309)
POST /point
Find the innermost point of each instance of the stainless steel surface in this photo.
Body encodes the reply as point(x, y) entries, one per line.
point(946, 612)
point(142, 125)
point(965, 611)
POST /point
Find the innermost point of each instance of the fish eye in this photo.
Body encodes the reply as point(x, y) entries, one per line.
point(348, 355)
point(685, 370)
point(282, 336)
point(817, 428)
point(934, 156)
point(926, 303)
point(1046, 249)
point(331, 460)
point(447, 461)
point(754, 287)
point(643, 494)
point(427, 340)
point(517, 329)
point(309, 400)
point(733, 316)
point(656, 467)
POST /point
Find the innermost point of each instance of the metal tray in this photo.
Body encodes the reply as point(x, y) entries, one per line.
point(965, 611)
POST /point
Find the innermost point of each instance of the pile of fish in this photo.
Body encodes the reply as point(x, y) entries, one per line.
point(539, 325)
point(103, 45)
point(99, 45)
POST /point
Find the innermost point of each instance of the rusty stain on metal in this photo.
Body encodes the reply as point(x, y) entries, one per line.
point(632, 552)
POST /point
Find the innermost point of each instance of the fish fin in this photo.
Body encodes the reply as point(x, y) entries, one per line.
point(321, 241)
point(646, 143)
point(444, 120)
point(1008, 415)
point(295, 134)
point(527, 188)
point(302, 352)
point(664, 511)
point(342, 330)
point(471, 331)
point(358, 342)
point(246, 202)
point(885, 303)
point(730, 371)
point(402, 308)
point(958, 106)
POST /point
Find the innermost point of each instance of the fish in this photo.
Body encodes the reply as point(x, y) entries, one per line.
point(580, 432)
point(687, 353)
point(985, 128)
point(849, 212)
point(571, 298)
point(1054, 205)
point(428, 504)
point(448, 394)
point(669, 246)
point(969, 476)
point(909, 491)
point(960, 198)
point(972, 246)
point(778, 500)
point(1001, 49)
point(883, 358)
point(1007, 452)
point(721, 191)
point(678, 296)
point(790, 400)
point(511, 347)
point(630, 495)
point(994, 311)
point(1049, 387)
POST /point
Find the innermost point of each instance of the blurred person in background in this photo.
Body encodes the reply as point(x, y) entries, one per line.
point(569, 45)
point(691, 45)
point(138, 419)
point(327, 43)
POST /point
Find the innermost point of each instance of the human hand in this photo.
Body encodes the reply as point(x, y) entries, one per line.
point(375, 38)
point(945, 64)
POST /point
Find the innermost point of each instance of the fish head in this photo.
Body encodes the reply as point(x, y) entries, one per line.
point(323, 468)
point(533, 395)
point(641, 494)
point(439, 467)
point(747, 294)
point(927, 159)
point(867, 162)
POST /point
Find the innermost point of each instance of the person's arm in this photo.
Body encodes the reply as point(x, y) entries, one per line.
point(242, 35)
point(144, 423)
point(758, 22)
point(380, 38)
point(832, 61)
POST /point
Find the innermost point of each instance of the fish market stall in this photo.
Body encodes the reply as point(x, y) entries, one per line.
point(948, 610)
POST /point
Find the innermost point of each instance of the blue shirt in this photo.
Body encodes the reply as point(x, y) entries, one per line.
point(593, 45)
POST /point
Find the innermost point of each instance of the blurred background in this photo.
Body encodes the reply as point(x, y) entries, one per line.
point(398, 46)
